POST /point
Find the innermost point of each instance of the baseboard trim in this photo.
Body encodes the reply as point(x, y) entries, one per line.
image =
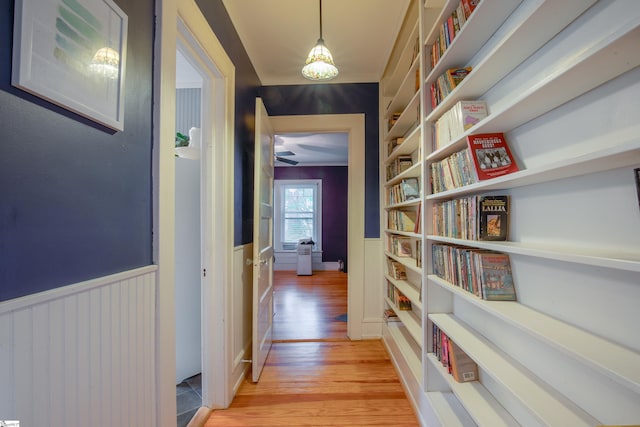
point(200, 418)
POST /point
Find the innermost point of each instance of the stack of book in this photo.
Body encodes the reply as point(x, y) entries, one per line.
point(402, 220)
point(400, 246)
point(396, 269)
point(390, 316)
point(446, 83)
point(456, 361)
point(457, 120)
point(487, 156)
point(486, 274)
point(400, 300)
point(399, 165)
point(407, 189)
point(450, 29)
point(476, 217)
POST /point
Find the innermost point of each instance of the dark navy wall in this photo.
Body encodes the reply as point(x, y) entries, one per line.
point(247, 86)
point(75, 198)
point(289, 100)
point(338, 99)
point(334, 205)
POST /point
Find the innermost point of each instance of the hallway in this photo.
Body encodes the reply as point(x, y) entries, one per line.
point(315, 376)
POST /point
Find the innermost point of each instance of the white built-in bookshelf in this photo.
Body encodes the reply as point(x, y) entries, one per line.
point(561, 80)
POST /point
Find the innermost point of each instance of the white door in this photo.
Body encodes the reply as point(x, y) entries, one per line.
point(262, 241)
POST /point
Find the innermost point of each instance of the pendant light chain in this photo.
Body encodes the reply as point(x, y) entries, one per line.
point(321, 20)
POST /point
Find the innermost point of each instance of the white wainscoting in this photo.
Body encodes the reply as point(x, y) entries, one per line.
point(241, 314)
point(288, 261)
point(81, 355)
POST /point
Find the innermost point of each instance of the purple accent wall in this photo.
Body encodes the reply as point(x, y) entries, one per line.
point(334, 205)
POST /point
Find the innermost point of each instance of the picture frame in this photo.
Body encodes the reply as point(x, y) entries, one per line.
point(73, 53)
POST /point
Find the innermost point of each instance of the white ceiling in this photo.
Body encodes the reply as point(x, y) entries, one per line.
point(314, 149)
point(278, 35)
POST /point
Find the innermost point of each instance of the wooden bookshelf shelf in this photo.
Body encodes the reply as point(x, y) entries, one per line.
point(596, 256)
point(410, 321)
point(561, 80)
point(408, 262)
point(408, 289)
point(448, 409)
point(414, 171)
point(411, 144)
point(543, 404)
point(481, 406)
point(405, 348)
point(558, 86)
point(612, 360)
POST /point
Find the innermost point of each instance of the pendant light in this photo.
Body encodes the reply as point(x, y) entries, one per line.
point(319, 65)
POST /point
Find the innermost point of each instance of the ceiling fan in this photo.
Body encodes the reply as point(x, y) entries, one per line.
point(279, 156)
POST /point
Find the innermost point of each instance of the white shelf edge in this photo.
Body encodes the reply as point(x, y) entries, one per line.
point(403, 233)
point(559, 87)
point(411, 144)
point(478, 402)
point(408, 289)
point(612, 360)
point(410, 321)
point(579, 255)
point(409, 118)
point(410, 357)
point(483, 22)
point(624, 154)
point(544, 403)
point(408, 262)
point(393, 80)
point(412, 172)
point(405, 91)
point(448, 410)
point(412, 202)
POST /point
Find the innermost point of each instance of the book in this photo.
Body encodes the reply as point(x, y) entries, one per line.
point(390, 316)
point(396, 270)
point(394, 143)
point(403, 246)
point(410, 188)
point(493, 217)
point(468, 6)
point(490, 155)
point(456, 75)
point(496, 278)
point(457, 120)
point(463, 368)
point(402, 220)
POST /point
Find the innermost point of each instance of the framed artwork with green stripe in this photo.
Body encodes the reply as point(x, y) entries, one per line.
point(72, 53)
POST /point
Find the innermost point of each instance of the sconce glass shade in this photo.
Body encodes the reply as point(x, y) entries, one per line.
point(105, 62)
point(319, 65)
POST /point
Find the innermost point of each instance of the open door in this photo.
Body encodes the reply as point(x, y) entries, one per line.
point(262, 241)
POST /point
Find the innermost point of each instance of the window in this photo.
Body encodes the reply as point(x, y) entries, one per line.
point(298, 213)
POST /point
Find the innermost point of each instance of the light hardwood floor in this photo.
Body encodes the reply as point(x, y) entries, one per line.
point(315, 376)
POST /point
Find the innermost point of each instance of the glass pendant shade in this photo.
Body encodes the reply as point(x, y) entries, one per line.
point(319, 65)
point(105, 62)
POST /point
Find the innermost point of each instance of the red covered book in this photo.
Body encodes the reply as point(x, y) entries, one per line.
point(491, 155)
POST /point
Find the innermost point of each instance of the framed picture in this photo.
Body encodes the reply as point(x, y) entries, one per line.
point(72, 53)
point(636, 173)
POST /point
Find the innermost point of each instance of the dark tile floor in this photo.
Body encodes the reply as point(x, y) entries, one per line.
point(188, 399)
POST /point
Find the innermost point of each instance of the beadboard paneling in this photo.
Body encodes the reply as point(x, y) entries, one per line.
point(81, 355)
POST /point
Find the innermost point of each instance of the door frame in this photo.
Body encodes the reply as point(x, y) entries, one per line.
point(182, 20)
point(353, 124)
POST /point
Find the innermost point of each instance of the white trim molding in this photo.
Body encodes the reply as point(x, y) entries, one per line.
point(353, 124)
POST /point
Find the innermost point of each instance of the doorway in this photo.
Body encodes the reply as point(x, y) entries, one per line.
point(353, 125)
point(188, 231)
